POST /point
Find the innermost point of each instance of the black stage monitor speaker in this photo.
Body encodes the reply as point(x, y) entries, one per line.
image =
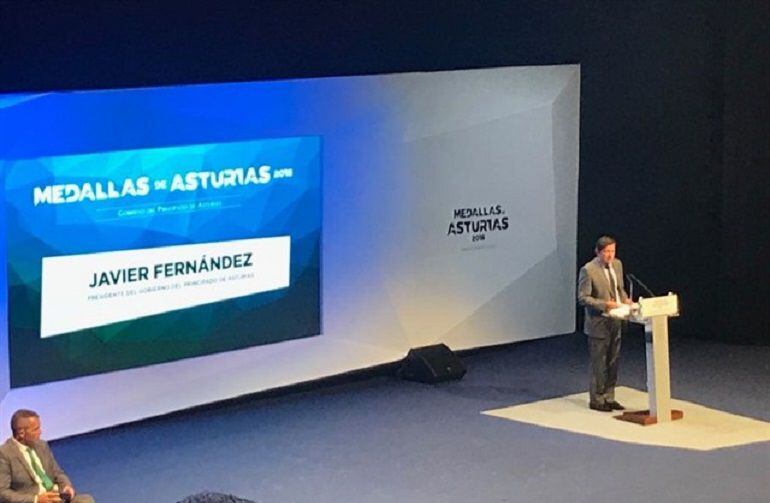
point(431, 364)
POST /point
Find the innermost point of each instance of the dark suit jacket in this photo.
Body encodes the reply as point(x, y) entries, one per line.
point(17, 482)
point(593, 294)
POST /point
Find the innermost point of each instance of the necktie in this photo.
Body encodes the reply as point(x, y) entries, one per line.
point(47, 482)
point(613, 286)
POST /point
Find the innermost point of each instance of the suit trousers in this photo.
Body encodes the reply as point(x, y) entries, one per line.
point(604, 354)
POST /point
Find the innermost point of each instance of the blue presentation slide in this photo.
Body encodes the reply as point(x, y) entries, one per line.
point(132, 243)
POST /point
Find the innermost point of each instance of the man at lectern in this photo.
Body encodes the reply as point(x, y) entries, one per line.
point(28, 471)
point(600, 289)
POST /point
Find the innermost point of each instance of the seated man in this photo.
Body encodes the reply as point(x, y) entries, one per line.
point(28, 471)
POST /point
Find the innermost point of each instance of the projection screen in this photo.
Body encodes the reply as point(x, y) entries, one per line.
point(375, 213)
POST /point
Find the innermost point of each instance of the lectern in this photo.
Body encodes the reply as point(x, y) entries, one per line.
point(654, 313)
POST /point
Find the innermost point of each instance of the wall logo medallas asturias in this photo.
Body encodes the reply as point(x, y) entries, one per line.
point(477, 223)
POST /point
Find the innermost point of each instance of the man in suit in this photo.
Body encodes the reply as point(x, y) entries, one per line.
point(28, 471)
point(600, 289)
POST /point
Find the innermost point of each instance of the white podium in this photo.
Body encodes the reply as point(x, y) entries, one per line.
point(654, 313)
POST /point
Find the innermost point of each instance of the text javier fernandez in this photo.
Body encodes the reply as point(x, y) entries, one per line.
point(171, 269)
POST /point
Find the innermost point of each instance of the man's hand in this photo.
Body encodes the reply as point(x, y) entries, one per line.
point(611, 304)
point(49, 497)
point(69, 490)
point(628, 301)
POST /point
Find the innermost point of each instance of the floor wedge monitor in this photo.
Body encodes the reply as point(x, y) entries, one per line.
point(431, 364)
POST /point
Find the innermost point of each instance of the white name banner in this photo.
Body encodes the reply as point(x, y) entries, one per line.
point(90, 290)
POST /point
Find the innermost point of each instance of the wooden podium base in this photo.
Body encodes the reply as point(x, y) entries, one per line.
point(644, 418)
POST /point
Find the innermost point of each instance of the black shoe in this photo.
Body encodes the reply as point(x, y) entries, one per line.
point(615, 406)
point(602, 407)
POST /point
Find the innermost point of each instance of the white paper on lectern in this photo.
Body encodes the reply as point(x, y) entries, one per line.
point(623, 311)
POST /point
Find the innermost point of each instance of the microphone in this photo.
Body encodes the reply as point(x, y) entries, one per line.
point(633, 278)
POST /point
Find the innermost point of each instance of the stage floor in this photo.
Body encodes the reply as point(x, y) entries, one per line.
point(382, 439)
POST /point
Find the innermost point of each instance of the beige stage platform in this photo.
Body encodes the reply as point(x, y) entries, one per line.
point(702, 428)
